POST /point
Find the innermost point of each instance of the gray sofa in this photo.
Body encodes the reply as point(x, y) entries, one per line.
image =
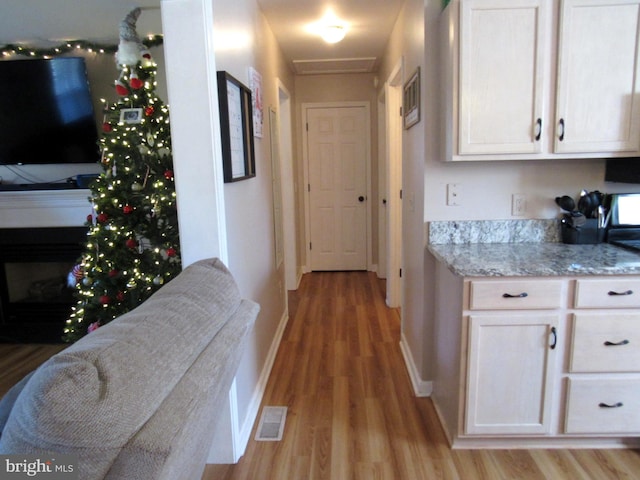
point(139, 397)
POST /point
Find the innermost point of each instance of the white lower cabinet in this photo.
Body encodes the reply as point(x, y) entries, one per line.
point(536, 362)
point(511, 368)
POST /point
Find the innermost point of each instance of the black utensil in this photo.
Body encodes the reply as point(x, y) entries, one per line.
point(585, 205)
point(566, 203)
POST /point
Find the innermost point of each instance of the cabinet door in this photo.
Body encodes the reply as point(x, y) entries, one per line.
point(502, 81)
point(597, 106)
point(510, 372)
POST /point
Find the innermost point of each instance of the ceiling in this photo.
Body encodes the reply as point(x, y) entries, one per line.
point(369, 27)
point(370, 24)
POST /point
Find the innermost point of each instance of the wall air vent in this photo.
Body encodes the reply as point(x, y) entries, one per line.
point(336, 65)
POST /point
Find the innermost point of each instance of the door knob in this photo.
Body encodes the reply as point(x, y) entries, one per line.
point(361, 198)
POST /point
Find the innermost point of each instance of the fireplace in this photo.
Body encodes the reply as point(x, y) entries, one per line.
point(35, 299)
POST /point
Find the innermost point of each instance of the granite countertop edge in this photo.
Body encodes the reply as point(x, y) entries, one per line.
point(535, 259)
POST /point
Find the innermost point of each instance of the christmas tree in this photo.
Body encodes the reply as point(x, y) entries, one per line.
point(132, 243)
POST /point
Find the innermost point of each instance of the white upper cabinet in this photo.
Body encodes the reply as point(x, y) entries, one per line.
point(597, 107)
point(502, 82)
point(532, 79)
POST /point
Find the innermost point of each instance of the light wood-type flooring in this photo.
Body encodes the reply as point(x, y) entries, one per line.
point(352, 413)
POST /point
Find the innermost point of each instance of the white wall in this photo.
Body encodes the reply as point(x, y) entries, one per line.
point(242, 40)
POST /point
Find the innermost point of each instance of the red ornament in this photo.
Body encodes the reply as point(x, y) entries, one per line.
point(105, 299)
point(121, 89)
point(120, 296)
point(106, 127)
point(149, 111)
point(113, 273)
point(171, 252)
point(102, 217)
point(136, 83)
point(131, 243)
point(168, 174)
point(147, 56)
point(90, 218)
point(127, 209)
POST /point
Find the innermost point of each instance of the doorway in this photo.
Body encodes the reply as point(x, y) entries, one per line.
point(336, 141)
point(393, 192)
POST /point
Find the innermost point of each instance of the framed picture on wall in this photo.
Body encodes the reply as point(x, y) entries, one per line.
point(411, 100)
point(236, 126)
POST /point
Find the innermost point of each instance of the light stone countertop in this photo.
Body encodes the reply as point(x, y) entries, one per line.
point(535, 259)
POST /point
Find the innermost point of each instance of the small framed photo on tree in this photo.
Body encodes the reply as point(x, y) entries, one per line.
point(131, 115)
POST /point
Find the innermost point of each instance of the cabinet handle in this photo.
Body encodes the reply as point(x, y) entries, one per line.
point(520, 295)
point(606, 405)
point(616, 344)
point(612, 293)
point(561, 135)
point(538, 129)
point(554, 332)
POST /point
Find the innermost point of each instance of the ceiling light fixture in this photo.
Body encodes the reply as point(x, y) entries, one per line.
point(333, 33)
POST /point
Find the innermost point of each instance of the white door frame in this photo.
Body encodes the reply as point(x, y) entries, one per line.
point(305, 163)
point(393, 101)
point(382, 186)
point(291, 270)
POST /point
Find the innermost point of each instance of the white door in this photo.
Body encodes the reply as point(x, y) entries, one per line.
point(502, 83)
point(337, 150)
point(598, 109)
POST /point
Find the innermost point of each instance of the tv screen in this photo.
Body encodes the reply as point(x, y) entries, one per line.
point(46, 112)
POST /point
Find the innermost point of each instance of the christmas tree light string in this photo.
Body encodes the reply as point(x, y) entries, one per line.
point(65, 47)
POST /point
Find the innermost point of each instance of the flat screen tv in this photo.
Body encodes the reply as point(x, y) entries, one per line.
point(46, 112)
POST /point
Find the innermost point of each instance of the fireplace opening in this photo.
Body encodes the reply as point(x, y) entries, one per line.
point(35, 298)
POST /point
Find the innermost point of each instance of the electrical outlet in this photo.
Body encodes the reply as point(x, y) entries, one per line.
point(518, 205)
point(453, 194)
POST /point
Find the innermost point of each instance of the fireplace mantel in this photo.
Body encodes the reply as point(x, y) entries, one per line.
point(44, 208)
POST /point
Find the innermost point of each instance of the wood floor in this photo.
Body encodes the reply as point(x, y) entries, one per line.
point(351, 410)
point(352, 413)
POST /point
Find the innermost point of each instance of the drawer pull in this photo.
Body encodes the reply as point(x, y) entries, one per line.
point(520, 295)
point(613, 294)
point(554, 332)
point(606, 405)
point(616, 344)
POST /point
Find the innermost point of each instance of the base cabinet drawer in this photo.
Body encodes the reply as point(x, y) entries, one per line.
point(607, 293)
point(606, 343)
point(515, 295)
point(603, 406)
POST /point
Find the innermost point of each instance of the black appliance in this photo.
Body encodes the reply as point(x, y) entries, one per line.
point(622, 170)
point(46, 112)
point(624, 220)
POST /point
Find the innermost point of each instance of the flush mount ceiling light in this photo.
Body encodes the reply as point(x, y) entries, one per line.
point(333, 33)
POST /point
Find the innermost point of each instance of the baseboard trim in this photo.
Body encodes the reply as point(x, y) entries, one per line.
point(256, 399)
point(421, 388)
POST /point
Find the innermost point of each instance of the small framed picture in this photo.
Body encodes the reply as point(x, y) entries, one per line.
point(131, 115)
point(411, 100)
point(236, 125)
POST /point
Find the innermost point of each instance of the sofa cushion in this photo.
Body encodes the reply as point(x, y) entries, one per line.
point(9, 399)
point(98, 392)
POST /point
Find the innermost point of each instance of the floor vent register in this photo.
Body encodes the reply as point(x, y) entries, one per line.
point(271, 426)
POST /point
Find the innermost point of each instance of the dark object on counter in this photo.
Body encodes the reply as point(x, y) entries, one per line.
point(589, 232)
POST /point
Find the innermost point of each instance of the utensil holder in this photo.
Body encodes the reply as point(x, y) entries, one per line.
point(588, 233)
